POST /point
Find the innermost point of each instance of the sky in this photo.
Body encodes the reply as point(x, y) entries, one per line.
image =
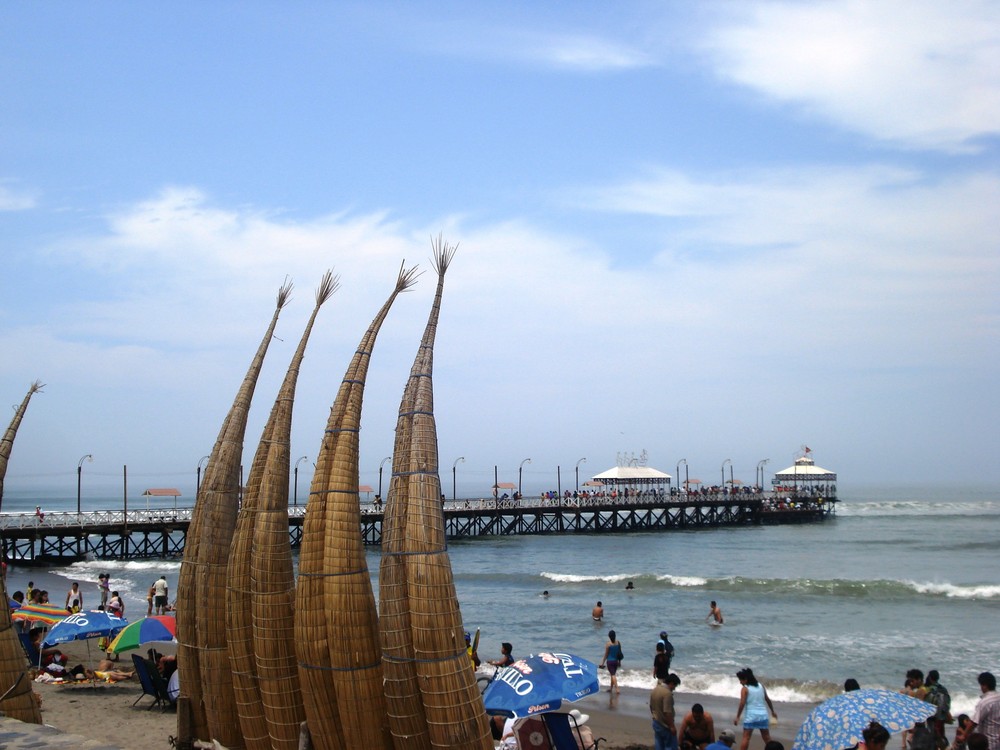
point(700, 231)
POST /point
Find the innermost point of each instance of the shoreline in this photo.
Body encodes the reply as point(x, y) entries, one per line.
point(105, 712)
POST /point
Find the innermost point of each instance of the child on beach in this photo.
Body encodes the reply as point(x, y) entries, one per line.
point(103, 587)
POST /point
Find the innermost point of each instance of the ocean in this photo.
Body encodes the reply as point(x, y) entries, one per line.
point(900, 578)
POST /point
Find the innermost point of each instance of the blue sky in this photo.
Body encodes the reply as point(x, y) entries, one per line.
point(702, 230)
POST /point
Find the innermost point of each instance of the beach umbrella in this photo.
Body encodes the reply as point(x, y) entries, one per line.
point(837, 723)
point(146, 630)
point(541, 683)
point(83, 626)
point(49, 614)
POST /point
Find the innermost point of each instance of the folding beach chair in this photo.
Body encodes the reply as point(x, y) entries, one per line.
point(151, 681)
point(34, 658)
point(564, 733)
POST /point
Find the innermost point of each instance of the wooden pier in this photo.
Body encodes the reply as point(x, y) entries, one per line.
point(161, 533)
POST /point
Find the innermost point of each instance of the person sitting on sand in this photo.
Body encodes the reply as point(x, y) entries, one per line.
point(50, 655)
point(727, 737)
point(697, 729)
point(506, 658)
point(874, 737)
point(597, 612)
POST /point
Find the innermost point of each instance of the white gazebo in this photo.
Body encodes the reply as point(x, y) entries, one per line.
point(635, 479)
point(804, 477)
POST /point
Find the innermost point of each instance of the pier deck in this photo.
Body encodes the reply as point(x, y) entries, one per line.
point(161, 532)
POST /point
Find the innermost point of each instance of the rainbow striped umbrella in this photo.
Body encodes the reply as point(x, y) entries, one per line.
point(146, 630)
point(49, 614)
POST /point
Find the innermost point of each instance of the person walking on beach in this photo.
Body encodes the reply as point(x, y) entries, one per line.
point(613, 656)
point(597, 612)
point(661, 707)
point(756, 703)
point(160, 592)
point(714, 614)
point(149, 598)
point(74, 598)
point(986, 718)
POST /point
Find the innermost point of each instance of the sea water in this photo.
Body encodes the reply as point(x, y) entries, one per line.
point(900, 578)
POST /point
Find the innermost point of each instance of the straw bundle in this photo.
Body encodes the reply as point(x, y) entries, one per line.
point(7, 441)
point(336, 628)
point(21, 703)
point(417, 590)
point(272, 673)
point(239, 618)
point(203, 658)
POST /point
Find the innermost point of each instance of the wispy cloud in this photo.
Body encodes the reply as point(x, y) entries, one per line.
point(916, 73)
point(16, 200)
point(584, 52)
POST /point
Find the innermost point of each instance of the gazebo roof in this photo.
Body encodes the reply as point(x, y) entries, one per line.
point(632, 473)
point(805, 468)
point(161, 492)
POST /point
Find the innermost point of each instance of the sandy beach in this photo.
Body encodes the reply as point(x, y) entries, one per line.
point(105, 712)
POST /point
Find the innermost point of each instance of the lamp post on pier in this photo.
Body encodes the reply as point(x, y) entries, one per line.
point(454, 477)
point(519, 469)
point(581, 461)
point(677, 473)
point(760, 468)
point(197, 482)
point(387, 458)
point(295, 496)
point(730, 462)
point(79, 478)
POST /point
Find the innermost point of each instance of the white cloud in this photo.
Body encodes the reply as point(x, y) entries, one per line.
point(16, 200)
point(585, 52)
point(544, 340)
point(917, 73)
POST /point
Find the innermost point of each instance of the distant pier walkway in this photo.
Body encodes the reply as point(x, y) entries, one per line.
point(161, 532)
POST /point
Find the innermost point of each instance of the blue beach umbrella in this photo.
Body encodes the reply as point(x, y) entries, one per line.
point(540, 683)
point(837, 724)
point(82, 626)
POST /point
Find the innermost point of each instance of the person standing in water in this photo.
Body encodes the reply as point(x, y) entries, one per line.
point(714, 614)
point(613, 656)
point(597, 612)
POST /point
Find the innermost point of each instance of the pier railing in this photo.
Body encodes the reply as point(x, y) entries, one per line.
point(160, 532)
